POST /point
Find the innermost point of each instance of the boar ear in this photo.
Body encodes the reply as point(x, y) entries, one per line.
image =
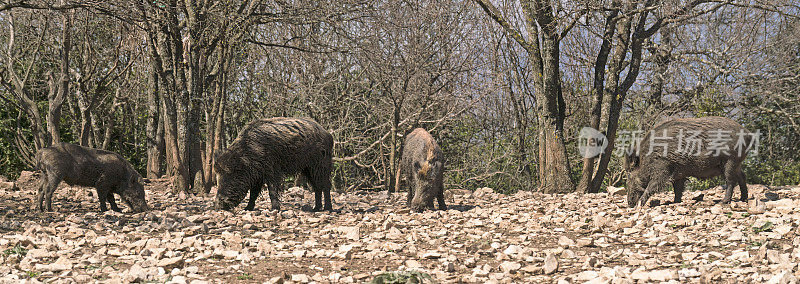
point(631, 161)
point(134, 177)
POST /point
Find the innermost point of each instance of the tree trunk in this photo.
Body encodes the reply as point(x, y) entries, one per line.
point(85, 132)
point(19, 90)
point(214, 130)
point(155, 156)
point(556, 178)
point(587, 174)
point(213, 147)
point(192, 78)
point(95, 136)
point(633, 41)
point(160, 143)
point(168, 55)
point(219, 126)
point(662, 55)
point(179, 171)
point(59, 94)
point(390, 182)
point(87, 128)
point(108, 127)
point(169, 139)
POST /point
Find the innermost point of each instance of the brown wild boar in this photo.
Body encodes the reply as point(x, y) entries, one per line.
point(106, 171)
point(688, 147)
point(266, 151)
point(422, 165)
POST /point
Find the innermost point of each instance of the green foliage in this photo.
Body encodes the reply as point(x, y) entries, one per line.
point(245, 276)
point(10, 162)
point(479, 156)
point(709, 102)
point(703, 184)
point(32, 274)
point(772, 171)
point(402, 277)
point(778, 159)
point(21, 251)
point(766, 227)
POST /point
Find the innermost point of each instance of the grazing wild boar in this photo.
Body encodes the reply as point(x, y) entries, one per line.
point(688, 147)
point(106, 171)
point(422, 165)
point(266, 151)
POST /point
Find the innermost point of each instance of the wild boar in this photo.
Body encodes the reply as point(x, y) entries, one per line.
point(688, 147)
point(266, 151)
point(106, 171)
point(422, 165)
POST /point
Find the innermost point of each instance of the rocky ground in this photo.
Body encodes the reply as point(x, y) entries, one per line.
point(485, 237)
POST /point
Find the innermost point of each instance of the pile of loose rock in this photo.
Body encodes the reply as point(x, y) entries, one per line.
point(485, 237)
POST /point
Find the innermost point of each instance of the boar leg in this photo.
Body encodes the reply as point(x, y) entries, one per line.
point(322, 193)
point(410, 196)
point(429, 199)
point(42, 189)
point(731, 177)
point(274, 195)
point(317, 201)
point(327, 195)
point(325, 181)
point(103, 191)
point(678, 187)
point(113, 202)
point(743, 185)
point(440, 198)
point(103, 196)
point(320, 179)
point(429, 202)
point(255, 191)
point(313, 180)
point(656, 184)
point(52, 184)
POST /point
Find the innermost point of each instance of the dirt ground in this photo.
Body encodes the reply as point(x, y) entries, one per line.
point(484, 237)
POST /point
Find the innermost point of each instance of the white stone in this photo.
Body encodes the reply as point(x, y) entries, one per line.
point(510, 267)
point(550, 264)
point(784, 277)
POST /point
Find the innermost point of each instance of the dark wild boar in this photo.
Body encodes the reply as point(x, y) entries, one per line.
point(723, 145)
point(106, 171)
point(422, 166)
point(266, 151)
